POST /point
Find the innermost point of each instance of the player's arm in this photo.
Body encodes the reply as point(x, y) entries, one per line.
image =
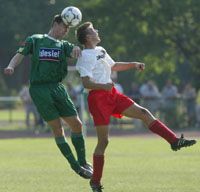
point(76, 52)
point(72, 50)
point(123, 66)
point(24, 49)
point(16, 60)
point(89, 84)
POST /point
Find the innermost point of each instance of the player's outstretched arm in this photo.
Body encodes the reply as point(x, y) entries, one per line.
point(123, 66)
point(16, 60)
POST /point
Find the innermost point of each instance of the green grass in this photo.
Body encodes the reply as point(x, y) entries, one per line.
point(132, 164)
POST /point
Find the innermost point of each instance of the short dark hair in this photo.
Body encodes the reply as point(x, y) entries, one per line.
point(81, 32)
point(57, 19)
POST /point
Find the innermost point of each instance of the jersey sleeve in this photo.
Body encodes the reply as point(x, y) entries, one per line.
point(26, 47)
point(85, 64)
point(68, 48)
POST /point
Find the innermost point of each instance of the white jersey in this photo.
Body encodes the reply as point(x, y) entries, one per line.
point(96, 64)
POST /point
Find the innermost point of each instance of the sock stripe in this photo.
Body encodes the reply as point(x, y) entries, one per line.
point(60, 140)
point(74, 135)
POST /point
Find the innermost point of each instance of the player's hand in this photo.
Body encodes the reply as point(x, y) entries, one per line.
point(76, 52)
point(108, 86)
point(140, 66)
point(8, 70)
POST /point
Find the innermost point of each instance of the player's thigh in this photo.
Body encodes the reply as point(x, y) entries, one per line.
point(138, 112)
point(74, 123)
point(63, 102)
point(43, 100)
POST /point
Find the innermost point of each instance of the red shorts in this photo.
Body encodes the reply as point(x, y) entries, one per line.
point(102, 104)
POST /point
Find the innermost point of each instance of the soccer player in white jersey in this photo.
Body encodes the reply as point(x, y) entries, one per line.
point(95, 66)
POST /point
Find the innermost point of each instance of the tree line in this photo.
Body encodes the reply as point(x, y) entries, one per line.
point(163, 34)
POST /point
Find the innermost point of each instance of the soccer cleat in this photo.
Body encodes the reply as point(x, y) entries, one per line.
point(85, 173)
point(88, 166)
point(96, 187)
point(182, 142)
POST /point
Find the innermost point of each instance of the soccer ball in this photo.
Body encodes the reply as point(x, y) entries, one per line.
point(71, 16)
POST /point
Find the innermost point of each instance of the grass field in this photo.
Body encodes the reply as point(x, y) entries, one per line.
point(132, 164)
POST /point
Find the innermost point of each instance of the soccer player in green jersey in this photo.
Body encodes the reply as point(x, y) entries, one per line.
point(48, 68)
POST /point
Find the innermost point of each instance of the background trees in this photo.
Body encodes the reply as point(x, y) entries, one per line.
point(163, 34)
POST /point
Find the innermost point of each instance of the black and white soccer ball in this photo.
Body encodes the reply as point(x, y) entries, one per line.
point(71, 16)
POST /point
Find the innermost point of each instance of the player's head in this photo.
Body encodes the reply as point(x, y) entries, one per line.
point(59, 28)
point(86, 34)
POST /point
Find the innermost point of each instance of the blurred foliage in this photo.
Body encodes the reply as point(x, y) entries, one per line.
point(3, 88)
point(163, 34)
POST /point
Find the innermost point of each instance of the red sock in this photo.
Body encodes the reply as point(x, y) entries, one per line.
point(161, 129)
point(98, 163)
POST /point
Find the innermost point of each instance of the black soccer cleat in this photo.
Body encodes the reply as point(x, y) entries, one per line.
point(88, 166)
point(96, 187)
point(85, 173)
point(181, 142)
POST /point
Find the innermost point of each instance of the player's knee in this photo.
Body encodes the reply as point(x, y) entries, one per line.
point(76, 126)
point(58, 132)
point(79, 125)
point(104, 142)
point(144, 111)
point(101, 146)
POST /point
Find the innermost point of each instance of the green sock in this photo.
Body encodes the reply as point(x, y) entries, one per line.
point(66, 151)
point(79, 145)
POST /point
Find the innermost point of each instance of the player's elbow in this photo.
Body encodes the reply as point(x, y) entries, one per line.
point(116, 67)
point(86, 82)
point(85, 85)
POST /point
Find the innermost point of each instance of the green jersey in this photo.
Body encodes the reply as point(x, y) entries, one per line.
point(48, 58)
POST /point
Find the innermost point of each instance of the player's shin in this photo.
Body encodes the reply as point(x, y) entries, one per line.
point(162, 130)
point(79, 145)
point(98, 164)
point(67, 153)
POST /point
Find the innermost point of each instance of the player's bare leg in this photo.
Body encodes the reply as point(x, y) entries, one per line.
point(74, 123)
point(56, 127)
point(156, 126)
point(77, 138)
point(138, 112)
point(98, 157)
point(62, 144)
point(102, 136)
